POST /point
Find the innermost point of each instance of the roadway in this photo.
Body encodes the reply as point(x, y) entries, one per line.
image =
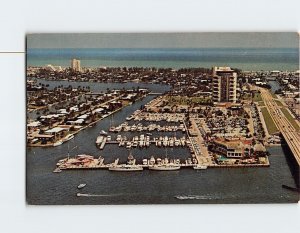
point(200, 150)
point(291, 136)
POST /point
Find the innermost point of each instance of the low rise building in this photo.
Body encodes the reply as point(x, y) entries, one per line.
point(234, 148)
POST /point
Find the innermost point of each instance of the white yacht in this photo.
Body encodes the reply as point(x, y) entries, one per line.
point(126, 168)
point(68, 137)
point(165, 167)
point(57, 170)
point(200, 167)
point(58, 143)
point(102, 132)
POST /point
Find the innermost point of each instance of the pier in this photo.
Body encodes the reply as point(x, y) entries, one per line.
point(143, 141)
point(197, 145)
point(82, 162)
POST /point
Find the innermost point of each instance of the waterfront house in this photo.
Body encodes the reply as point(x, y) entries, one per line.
point(57, 132)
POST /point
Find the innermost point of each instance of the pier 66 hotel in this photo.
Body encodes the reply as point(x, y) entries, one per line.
point(224, 84)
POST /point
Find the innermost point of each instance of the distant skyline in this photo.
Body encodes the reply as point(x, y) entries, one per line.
point(165, 40)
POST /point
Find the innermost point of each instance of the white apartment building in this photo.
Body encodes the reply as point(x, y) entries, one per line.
point(224, 84)
point(75, 65)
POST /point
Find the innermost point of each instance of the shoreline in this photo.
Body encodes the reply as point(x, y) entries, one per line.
point(107, 166)
point(84, 127)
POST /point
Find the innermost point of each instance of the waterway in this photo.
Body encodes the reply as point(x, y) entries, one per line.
point(274, 85)
point(230, 185)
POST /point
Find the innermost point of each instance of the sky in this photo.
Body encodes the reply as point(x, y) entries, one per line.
point(165, 40)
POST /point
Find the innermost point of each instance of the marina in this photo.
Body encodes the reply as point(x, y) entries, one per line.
point(151, 127)
point(159, 164)
point(209, 142)
point(60, 126)
point(177, 135)
point(142, 141)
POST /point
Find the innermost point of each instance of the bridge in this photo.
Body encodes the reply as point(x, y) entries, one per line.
point(290, 134)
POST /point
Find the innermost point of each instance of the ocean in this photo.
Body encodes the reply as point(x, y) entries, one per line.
point(285, 59)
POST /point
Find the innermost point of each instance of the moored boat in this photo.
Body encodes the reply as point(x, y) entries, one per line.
point(112, 129)
point(200, 167)
point(58, 143)
point(68, 137)
point(99, 140)
point(164, 167)
point(126, 168)
point(104, 133)
point(57, 170)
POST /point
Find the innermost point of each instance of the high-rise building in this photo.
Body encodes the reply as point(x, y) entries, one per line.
point(224, 84)
point(75, 65)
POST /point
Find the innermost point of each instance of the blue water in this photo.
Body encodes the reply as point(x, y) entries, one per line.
point(243, 58)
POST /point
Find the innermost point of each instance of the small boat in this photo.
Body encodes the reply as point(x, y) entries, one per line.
point(145, 161)
point(165, 143)
point(200, 167)
point(134, 144)
point(128, 145)
point(118, 129)
point(126, 168)
point(112, 129)
point(81, 186)
point(82, 195)
point(57, 170)
point(58, 143)
point(152, 160)
point(102, 132)
point(119, 138)
point(164, 167)
point(99, 140)
point(68, 137)
point(191, 197)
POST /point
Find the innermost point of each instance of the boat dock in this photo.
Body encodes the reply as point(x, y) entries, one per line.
point(143, 141)
point(125, 127)
point(81, 162)
point(103, 143)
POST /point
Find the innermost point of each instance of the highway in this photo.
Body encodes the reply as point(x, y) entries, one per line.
point(291, 136)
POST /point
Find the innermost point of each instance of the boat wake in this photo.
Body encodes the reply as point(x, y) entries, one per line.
point(95, 195)
point(193, 197)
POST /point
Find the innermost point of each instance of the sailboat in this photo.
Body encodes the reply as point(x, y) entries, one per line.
point(130, 166)
point(165, 166)
point(111, 128)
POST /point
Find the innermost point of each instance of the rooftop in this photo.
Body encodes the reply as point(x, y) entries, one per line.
point(223, 68)
point(235, 143)
point(55, 130)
